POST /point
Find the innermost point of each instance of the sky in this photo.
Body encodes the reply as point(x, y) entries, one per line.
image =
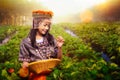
point(65, 7)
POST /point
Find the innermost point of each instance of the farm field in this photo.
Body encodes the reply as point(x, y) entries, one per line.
point(91, 55)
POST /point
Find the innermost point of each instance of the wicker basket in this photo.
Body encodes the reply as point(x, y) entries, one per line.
point(43, 65)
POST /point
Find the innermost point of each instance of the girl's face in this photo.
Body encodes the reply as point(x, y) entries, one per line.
point(44, 26)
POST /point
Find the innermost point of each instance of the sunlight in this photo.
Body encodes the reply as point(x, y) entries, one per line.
point(29, 0)
point(65, 7)
point(86, 16)
point(102, 7)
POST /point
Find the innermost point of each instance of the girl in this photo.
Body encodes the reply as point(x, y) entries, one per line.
point(40, 44)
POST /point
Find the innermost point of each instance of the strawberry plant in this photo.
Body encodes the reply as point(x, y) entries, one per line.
point(80, 60)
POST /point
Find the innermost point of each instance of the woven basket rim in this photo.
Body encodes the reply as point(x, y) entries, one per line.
point(42, 61)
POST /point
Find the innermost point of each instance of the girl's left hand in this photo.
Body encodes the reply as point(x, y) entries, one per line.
point(60, 41)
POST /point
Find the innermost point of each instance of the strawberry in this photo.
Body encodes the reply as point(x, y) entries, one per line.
point(10, 70)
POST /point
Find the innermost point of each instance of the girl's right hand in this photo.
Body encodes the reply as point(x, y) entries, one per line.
point(25, 65)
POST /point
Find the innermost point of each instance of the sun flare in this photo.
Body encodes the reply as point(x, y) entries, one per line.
point(65, 7)
point(86, 16)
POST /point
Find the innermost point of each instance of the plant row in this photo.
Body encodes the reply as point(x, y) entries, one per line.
point(79, 61)
point(6, 31)
point(103, 37)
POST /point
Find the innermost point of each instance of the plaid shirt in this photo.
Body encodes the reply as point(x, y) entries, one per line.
point(30, 54)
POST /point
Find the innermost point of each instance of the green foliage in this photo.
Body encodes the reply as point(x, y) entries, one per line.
point(6, 31)
point(9, 55)
point(103, 37)
point(80, 61)
point(85, 70)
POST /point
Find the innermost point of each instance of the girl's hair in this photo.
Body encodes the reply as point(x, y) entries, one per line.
point(33, 32)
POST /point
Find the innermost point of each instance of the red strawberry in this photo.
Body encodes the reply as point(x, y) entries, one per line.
point(11, 70)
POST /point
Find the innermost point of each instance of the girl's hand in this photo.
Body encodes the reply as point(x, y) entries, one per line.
point(60, 41)
point(25, 65)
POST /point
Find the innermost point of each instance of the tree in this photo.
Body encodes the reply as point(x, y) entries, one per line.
point(16, 12)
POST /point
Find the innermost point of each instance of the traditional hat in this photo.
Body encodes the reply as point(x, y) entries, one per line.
point(42, 13)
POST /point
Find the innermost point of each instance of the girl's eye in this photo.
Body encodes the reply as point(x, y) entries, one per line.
point(45, 25)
